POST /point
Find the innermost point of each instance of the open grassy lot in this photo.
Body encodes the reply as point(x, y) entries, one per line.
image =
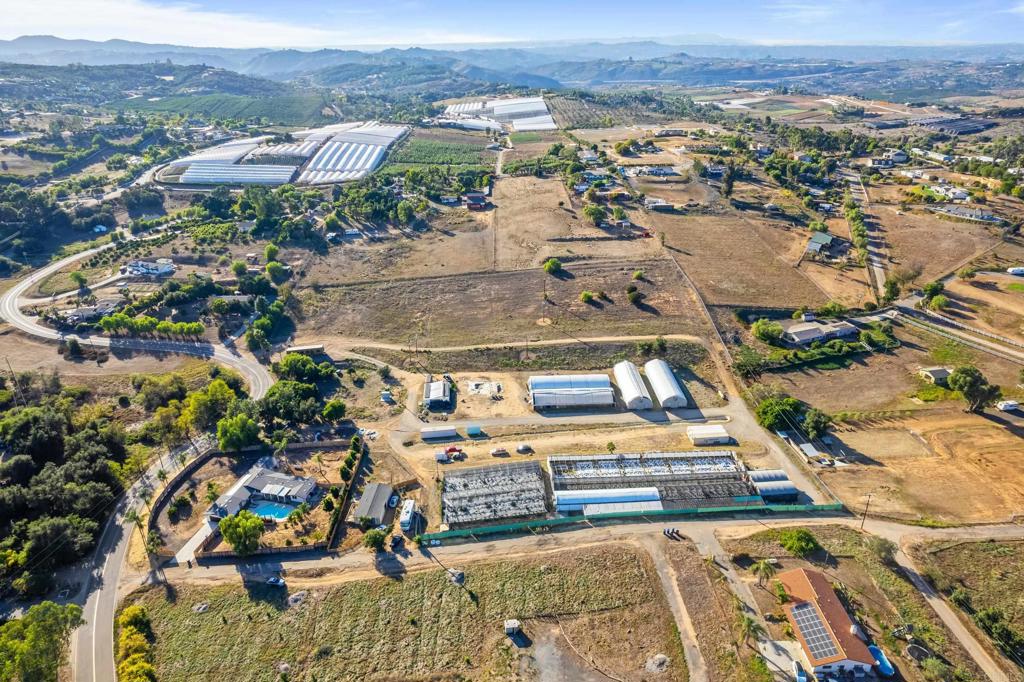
point(934, 244)
point(420, 627)
point(990, 575)
point(16, 164)
point(530, 145)
point(503, 306)
point(881, 597)
point(731, 264)
point(534, 219)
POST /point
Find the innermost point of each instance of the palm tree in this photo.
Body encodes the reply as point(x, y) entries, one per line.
point(319, 459)
point(146, 495)
point(132, 517)
point(750, 628)
point(764, 570)
point(212, 492)
point(162, 475)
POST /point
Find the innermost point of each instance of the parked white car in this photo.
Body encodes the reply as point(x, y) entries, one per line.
point(1008, 405)
point(275, 581)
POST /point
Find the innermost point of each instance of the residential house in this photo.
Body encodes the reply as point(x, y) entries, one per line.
point(653, 204)
point(373, 505)
point(162, 267)
point(826, 633)
point(803, 333)
point(475, 201)
point(262, 483)
point(881, 162)
point(896, 155)
point(802, 157)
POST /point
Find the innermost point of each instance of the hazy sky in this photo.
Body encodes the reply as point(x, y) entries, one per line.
point(339, 23)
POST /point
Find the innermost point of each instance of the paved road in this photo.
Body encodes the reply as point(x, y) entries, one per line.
point(93, 655)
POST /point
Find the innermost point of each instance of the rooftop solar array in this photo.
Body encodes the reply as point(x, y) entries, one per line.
point(818, 637)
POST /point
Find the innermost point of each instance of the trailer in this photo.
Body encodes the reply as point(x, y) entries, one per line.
point(438, 433)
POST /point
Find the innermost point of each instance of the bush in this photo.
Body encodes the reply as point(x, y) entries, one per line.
point(766, 330)
point(587, 297)
point(552, 266)
point(346, 474)
point(799, 542)
point(374, 539)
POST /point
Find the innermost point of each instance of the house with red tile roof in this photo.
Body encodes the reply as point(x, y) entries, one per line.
point(827, 634)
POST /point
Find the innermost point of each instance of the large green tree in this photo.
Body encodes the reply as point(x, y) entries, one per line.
point(974, 387)
point(237, 432)
point(34, 646)
point(242, 531)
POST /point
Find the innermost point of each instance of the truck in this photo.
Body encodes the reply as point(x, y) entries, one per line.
point(408, 515)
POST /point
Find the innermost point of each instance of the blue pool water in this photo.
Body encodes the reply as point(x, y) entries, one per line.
point(273, 510)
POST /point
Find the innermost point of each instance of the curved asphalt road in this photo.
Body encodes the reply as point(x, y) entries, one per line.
point(93, 647)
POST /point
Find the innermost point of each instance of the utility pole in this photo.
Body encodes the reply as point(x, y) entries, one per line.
point(865, 516)
point(17, 384)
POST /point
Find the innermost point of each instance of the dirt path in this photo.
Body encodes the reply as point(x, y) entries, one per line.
point(670, 586)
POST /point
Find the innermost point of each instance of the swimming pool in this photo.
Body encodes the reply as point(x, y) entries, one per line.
point(271, 510)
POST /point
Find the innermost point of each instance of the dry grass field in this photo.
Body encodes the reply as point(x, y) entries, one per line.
point(990, 573)
point(944, 465)
point(14, 164)
point(424, 627)
point(503, 306)
point(731, 264)
point(534, 219)
point(934, 244)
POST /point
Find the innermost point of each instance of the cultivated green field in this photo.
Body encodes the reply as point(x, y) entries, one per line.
point(436, 152)
point(415, 627)
point(285, 110)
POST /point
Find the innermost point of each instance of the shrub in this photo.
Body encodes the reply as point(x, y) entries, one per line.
point(374, 539)
point(768, 331)
point(552, 266)
point(798, 541)
point(587, 297)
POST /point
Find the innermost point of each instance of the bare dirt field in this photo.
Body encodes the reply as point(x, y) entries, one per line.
point(503, 306)
point(530, 146)
point(946, 465)
point(935, 244)
point(731, 264)
point(991, 302)
point(28, 354)
point(16, 164)
point(677, 189)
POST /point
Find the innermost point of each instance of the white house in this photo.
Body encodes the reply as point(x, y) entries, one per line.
point(162, 267)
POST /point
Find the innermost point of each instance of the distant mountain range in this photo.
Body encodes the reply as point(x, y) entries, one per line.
point(899, 72)
point(285, 64)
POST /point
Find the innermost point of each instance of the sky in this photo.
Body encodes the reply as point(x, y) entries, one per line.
point(342, 23)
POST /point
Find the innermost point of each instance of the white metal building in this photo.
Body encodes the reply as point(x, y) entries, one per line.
point(437, 392)
point(571, 390)
point(708, 434)
point(438, 433)
point(663, 381)
point(631, 386)
point(577, 500)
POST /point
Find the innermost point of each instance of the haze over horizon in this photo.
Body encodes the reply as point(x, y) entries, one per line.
point(312, 24)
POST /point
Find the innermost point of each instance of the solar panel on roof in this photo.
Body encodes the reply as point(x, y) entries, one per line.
point(812, 629)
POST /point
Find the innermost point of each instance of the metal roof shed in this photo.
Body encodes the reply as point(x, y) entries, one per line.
point(666, 388)
point(631, 386)
point(708, 434)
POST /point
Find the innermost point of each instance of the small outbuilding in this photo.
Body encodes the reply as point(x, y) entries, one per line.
point(935, 375)
point(437, 393)
point(708, 434)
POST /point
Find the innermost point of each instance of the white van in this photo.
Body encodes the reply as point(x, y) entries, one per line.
point(407, 516)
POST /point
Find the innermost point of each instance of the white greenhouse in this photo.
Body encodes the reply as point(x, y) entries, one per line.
point(576, 500)
point(571, 390)
point(631, 386)
point(663, 381)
